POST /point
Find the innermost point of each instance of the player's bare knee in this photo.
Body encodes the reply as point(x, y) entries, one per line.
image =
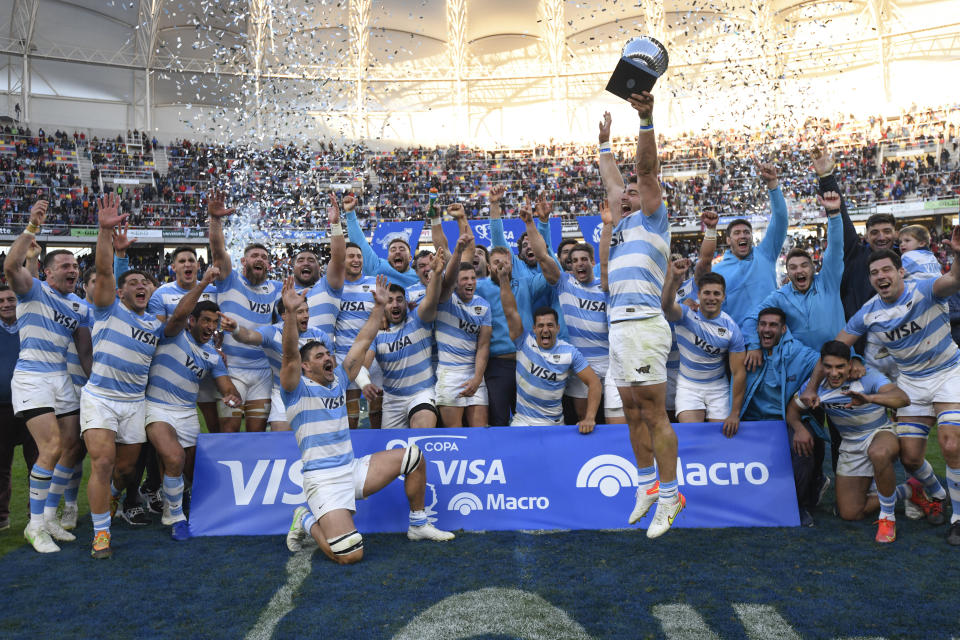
point(910, 460)
point(850, 512)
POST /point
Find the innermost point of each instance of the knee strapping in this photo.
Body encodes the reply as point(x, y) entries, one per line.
point(259, 412)
point(411, 459)
point(346, 544)
point(950, 417)
point(912, 430)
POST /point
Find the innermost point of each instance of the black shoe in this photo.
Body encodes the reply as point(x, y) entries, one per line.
point(153, 500)
point(806, 520)
point(953, 535)
point(136, 516)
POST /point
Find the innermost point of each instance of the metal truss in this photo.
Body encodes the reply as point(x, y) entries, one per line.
point(360, 50)
point(22, 27)
point(457, 50)
point(148, 21)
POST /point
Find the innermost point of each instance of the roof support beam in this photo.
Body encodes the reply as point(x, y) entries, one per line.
point(23, 24)
point(457, 50)
point(360, 52)
point(148, 21)
point(259, 29)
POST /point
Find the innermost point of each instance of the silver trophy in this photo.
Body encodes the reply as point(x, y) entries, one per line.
point(642, 62)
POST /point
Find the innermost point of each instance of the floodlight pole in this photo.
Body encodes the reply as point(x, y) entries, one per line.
point(259, 28)
point(457, 48)
point(148, 22)
point(554, 37)
point(360, 48)
point(882, 13)
point(22, 28)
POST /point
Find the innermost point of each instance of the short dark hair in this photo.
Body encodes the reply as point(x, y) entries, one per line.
point(49, 258)
point(774, 311)
point(466, 266)
point(486, 252)
point(308, 348)
point(582, 246)
point(881, 218)
point(395, 288)
point(255, 245)
point(88, 273)
point(303, 250)
point(423, 253)
point(738, 222)
point(354, 245)
point(564, 243)
point(132, 272)
point(835, 348)
point(179, 250)
point(396, 240)
point(520, 241)
point(546, 311)
point(712, 278)
point(205, 305)
point(5, 287)
point(797, 252)
point(881, 254)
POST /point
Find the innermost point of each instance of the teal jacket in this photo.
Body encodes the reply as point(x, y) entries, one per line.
point(793, 363)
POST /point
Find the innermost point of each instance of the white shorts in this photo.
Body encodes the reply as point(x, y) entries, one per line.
point(396, 409)
point(208, 390)
point(612, 403)
point(55, 390)
point(278, 412)
point(337, 488)
point(924, 392)
point(449, 384)
point(639, 351)
point(126, 419)
point(252, 384)
point(183, 420)
point(712, 398)
point(854, 460)
point(526, 421)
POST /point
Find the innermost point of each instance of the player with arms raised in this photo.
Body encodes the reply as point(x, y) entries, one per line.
point(314, 391)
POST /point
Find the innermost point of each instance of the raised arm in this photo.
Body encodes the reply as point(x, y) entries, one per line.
point(13, 266)
point(949, 283)
point(709, 245)
point(240, 334)
point(178, 319)
point(497, 239)
point(437, 236)
point(826, 181)
point(457, 212)
point(359, 350)
point(648, 165)
point(427, 309)
point(776, 232)
point(509, 302)
point(672, 310)
point(452, 271)
point(105, 286)
point(121, 242)
point(548, 264)
point(216, 212)
point(371, 261)
point(290, 369)
point(31, 262)
point(832, 267)
point(337, 267)
point(606, 236)
point(610, 174)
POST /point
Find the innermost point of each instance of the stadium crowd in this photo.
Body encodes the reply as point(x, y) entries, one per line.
point(854, 351)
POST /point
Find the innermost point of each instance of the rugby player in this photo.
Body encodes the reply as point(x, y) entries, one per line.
point(314, 391)
point(858, 408)
point(50, 316)
point(112, 402)
point(249, 297)
point(325, 292)
point(184, 357)
point(404, 353)
point(637, 243)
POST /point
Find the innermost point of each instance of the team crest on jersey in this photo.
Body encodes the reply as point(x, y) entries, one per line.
point(76, 306)
point(721, 331)
point(556, 357)
point(909, 303)
point(845, 388)
point(681, 292)
point(365, 287)
point(478, 310)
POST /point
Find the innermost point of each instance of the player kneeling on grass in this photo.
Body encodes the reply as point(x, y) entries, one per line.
point(858, 409)
point(184, 357)
point(314, 392)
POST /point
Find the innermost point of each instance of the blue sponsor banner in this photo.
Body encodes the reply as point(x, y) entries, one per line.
point(387, 232)
point(513, 228)
point(505, 479)
point(590, 227)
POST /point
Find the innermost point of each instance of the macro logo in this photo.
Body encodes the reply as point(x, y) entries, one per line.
point(596, 232)
point(608, 473)
point(465, 502)
point(402, 235)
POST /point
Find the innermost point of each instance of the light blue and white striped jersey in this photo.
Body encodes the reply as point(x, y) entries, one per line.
point(324, 304)
point(688, 290)
point(639, 251)
point(47, 320)
point(704, 344)
point(584, 311)
point(858, 423)
point(273, 344)
point(356, 303)
point(251, 306)
point(915, 329)
point(404, 354)
point(542, 377)
point(921, 263)
point(318, 418)
point(458, 327)
point(178, 366)
point(415, 293)
point(74, 368)
point(167, 296)
point(124, 344)
point(673, 358)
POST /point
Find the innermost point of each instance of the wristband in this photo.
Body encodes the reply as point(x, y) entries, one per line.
point(646, 122)
point(363, 377)
point(646, 127)
point(710, 234)
point(605, 147)
point(336, 230)
point(32, 229)
point(436, 222)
